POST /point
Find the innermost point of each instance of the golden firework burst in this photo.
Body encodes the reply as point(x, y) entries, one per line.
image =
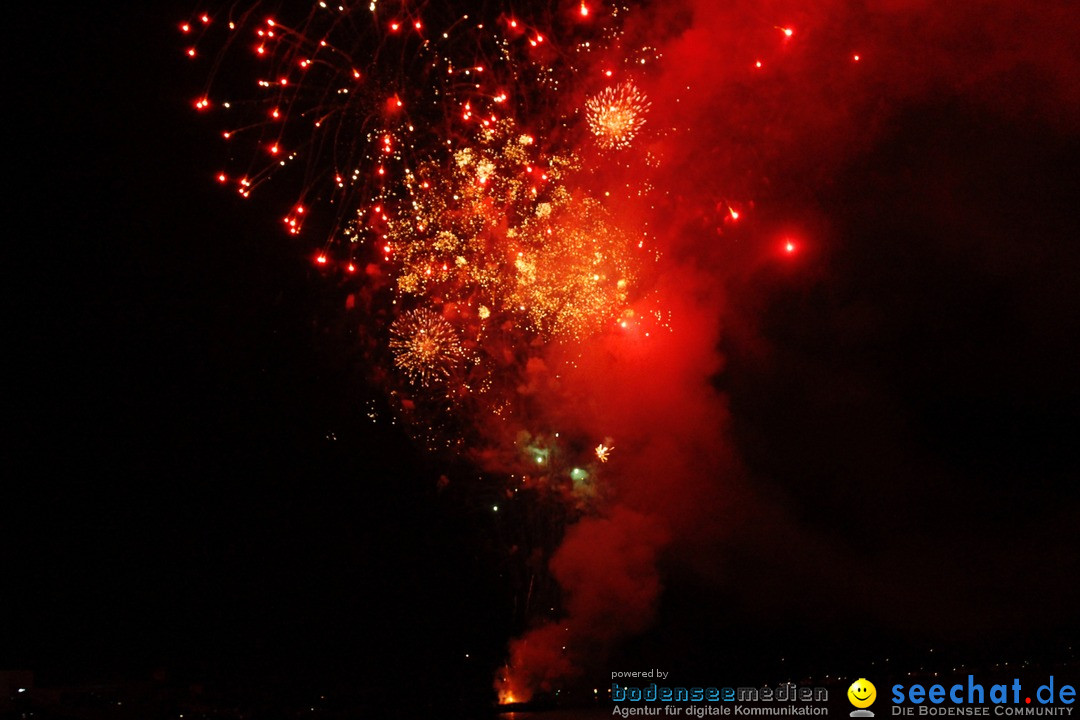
point(616, 114)
point(425, 346)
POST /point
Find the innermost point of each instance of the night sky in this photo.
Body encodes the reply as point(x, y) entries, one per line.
point(194, 482)
point(176, 498)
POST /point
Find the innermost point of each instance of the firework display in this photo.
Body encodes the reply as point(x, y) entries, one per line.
point(479, 179)
point(439, 150)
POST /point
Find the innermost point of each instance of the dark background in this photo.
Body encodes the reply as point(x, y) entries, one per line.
point(193, 482)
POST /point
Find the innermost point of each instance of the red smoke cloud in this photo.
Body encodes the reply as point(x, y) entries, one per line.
point(608, 568)
point(765, 137)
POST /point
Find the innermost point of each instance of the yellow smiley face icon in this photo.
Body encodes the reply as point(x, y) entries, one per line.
point(862, 693)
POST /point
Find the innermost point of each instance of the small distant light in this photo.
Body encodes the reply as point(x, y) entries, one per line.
point(321, 259)
point(205, 19)
point(495, 508)
point(350, 267)
point(417, 25)
point(584, 10)
point(757, 64)
point(789, 247)
point(788, 32)
point(394, 27)
point(185, 28)
point(855, 58)
point(222, 178)
point(22, 690)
